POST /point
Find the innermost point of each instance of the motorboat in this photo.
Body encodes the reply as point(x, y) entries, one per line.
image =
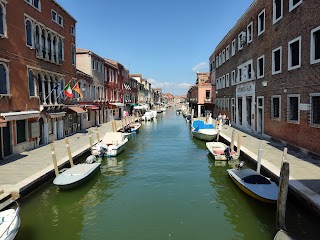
point(135, 127)
point(111, 145)
point(203, 131)
point(76, 175)
point(9, 223)
point(254, 184)
point(221, 151)
point(148, 116)
point(178, 111)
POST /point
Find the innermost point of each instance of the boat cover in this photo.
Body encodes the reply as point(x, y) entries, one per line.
point(251, 176)
point(198, 124)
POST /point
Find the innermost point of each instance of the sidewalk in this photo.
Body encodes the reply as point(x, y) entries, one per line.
point(25, 171)
point(304, 167)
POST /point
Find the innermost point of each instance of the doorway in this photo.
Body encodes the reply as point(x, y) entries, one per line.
point(6, 140)
point(260, 113)
point(249, 108)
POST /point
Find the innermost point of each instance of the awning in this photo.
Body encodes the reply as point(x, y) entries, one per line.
point(3, 123)
point(118, 104)
point(76, 109)
point(92, 107)
point(20, 115)
point(57, 114)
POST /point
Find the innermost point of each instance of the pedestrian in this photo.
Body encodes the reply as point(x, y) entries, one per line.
point(227, 123)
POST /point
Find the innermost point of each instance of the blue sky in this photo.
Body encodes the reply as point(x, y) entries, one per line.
point(166, 41)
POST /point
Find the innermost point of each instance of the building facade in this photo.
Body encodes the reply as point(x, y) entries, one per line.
point(37, 58)
point(266, 71)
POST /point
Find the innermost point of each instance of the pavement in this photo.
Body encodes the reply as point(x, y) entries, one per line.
point(304, 180)
point(22, 173)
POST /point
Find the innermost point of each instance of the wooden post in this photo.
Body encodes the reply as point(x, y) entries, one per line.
point(282, 196)
point(90, 140)
point(97, 132)
point(54, 159)
point(192, 115)
point(232, 140)
point(69, 152)
point(259, 156)
point(284, 155)
point(218, 135)
point(239, 144)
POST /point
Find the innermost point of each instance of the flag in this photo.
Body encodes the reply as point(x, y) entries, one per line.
point(68, 91)
point(77, 89)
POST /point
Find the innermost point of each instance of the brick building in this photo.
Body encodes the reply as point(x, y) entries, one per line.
point(266, 71)
point(37, 57)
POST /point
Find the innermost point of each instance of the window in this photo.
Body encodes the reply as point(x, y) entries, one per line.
point(261, 22)
point(31, 81)
point(227, 80)
point(73, 53)
point(239, 75)
point(61, 50)
point(276, 60)
point(21, 131)
point(50, 126)
point(233, 77)
point(29, 33)
point(315, 109)
point(223, 56)
point(73, 32)
point(207, 94)
point(93, 64)
point(36, 4)
point(277, 10)
point(293, 108)
point(275, 107)
point(245, 71)
point(227, 52)
point(217, 61)
point(233, 47)
point(223, 81)
point(2, 19)
point(4, 75)
point(220, 59)
point(54, 15)
point(260, 67)
point(249, 32)
point(294, 53)
point(293, 4)
point(315, 46)
point(217, 83)
point(60, 20)
point(227, 103)
point(240, 41)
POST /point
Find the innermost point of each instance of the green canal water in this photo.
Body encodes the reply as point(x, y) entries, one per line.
point(164, 186)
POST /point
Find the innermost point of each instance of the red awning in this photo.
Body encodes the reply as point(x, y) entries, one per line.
point(76, 109)
point(92, 107)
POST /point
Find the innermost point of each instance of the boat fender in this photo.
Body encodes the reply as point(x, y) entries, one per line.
point(240, 165)
point(91, 159)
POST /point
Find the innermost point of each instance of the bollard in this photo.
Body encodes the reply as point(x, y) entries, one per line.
point(282, 196)
point(259, 156)
point(284, 155)
point(69, 152)
point(232, 140)
point(54, 159)
point(98, 136)
point(90, 140)
point(239, 144)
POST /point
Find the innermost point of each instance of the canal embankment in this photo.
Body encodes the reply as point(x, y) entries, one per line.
point(304, 180)
point(20, 174)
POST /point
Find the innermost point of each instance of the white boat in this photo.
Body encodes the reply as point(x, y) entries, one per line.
point(221, 151)
point(111, 145)
point(148, 116)
point(76, 175)
point(203, 131)
point(135, 127)
point(9, 223)
point(154, 112)
point(255, 185)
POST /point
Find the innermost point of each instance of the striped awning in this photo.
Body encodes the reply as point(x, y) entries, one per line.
point(9, 116)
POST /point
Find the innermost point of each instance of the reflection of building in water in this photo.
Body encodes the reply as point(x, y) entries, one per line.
point(113, 167)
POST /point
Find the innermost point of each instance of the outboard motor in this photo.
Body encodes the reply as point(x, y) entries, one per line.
point(91, 159)
point(240, 165)
point(227, 153)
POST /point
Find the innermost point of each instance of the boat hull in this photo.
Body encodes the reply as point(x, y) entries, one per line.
point(114, 150)
point(72, 177)
point(249, 190)
point(202, 135)
point(13, 224)
point(216, 149)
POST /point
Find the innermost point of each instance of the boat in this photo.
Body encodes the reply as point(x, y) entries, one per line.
point(178, 111)
point(9, 223)
point(203, 131)
point(111, 145)
point(135, 127)
point(254, 184)
point(221, 151)
point(76, 175)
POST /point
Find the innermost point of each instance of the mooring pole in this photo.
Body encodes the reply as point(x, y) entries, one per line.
point(218, 135)
point(192, 115)
point(284, 155)
point(282, 196)
point(54, 159)
point(259, 156)
point(97, 132)
point(232, 140)
point(90, 140)
point(69, 152)
point(239, 144)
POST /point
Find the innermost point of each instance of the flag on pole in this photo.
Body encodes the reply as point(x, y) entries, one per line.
point(77, 89)
point(68, 91)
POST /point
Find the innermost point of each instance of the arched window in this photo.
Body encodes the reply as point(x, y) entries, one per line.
point(38, 33)
point(31, 84)
point(54, 49)
point(3, 79)
point(2, 19)
point(43, 41)
point(49, 46)
point(61, 51)
point(29, 33)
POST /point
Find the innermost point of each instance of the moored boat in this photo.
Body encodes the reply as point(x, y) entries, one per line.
point(221, 151)
point(9, 223)
point(111, 145)
point(254, 184)
point(203, 131)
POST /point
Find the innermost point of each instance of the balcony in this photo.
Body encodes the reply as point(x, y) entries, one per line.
point(207, 100)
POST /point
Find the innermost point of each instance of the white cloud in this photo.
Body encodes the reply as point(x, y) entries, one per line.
point(200, 66)
point(170, 87)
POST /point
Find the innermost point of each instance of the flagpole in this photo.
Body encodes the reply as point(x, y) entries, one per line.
point(63, 90)
point(51, 91)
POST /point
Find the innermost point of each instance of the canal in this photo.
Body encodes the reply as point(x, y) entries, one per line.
point(164, 186)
